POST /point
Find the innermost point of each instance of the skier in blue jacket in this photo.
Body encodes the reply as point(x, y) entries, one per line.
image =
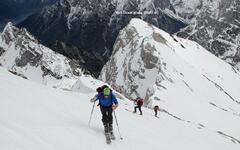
point(108, 103)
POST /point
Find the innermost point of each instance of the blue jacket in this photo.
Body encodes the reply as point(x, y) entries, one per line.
point(106, 101)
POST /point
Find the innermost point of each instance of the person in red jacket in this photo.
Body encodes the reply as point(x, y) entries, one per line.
point(139, 101)
point(156, 109)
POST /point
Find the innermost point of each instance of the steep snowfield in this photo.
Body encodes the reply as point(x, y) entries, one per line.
point(179, 75)
point(33, 116)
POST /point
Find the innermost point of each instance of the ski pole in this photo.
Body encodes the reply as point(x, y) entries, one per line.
point(117, 125)
point(91, 114)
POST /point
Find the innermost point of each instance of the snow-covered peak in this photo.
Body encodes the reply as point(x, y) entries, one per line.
point(8, 31)
point(23, 55)
point(8, 27)
point(142, 51)
point(141, 27)
point(11, 33)
point(179, 75)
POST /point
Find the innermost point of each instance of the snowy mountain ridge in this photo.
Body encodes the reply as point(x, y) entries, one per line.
point(143, 42)
point(23, 55)
point(186, 80)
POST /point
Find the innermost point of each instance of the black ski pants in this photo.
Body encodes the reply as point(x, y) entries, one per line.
point(139, 108)
point(107, 117)
point(156, 112)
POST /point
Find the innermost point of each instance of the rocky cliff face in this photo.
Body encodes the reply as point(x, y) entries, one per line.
point(23, 55)
point(92, 26)
point(213, 24)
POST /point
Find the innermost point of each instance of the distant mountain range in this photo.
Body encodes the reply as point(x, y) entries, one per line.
point(92, 26)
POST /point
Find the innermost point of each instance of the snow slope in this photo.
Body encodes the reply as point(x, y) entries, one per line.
point(33, 116)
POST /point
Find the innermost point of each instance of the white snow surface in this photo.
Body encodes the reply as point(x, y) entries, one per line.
point(37, 117)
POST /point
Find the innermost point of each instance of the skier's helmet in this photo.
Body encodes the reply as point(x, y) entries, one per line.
point(106, 91)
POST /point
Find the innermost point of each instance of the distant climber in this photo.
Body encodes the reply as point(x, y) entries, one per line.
point(139, 103)
point(108, 103)
point(156, 109)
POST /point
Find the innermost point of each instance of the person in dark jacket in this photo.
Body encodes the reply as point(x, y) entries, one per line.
point(108, 103)
point(139, 101)
point(156, 109)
